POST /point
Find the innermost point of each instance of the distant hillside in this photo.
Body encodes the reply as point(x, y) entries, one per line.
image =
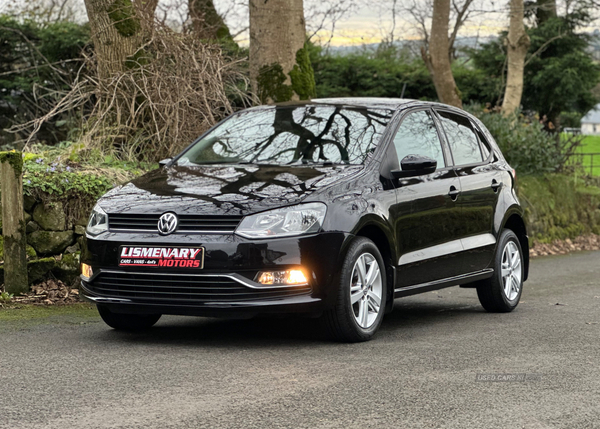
point(412, 47)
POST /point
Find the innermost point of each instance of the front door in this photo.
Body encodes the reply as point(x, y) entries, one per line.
point(428, 239)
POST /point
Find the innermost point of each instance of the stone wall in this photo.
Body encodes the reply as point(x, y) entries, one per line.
point(54, 242)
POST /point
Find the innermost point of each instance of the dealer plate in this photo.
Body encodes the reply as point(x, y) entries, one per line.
point(163, 257)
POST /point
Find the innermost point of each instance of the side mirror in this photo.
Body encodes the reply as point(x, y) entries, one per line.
point(164, 162)
point(415, 165)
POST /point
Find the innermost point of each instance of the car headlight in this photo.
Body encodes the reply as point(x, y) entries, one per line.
point(98, 221)
point(284, 222)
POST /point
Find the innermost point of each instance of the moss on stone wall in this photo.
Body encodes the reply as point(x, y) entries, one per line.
point(50, 242)
point(39, 268)
point(15, 246)
point(14, 159)
point(303, 76)
point(122, 14)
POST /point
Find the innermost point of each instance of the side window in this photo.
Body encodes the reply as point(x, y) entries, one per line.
point(418, 135)
point(462, 139)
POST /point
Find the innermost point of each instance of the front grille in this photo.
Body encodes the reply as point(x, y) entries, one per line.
point(184, 288)
point(186, 224)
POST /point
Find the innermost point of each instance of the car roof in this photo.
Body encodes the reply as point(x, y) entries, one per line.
point(357, 102)
point(367, 102)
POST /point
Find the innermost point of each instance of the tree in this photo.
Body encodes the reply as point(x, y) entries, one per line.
point(560, 72)
point(517, 45)
point(437, 59)
point(280, 68)
point(116, 32)
point(145, 10)
point(420, 12)
point(206, 21)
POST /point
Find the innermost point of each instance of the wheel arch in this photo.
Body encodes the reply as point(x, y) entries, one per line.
point(514, 221)
point(377, 235)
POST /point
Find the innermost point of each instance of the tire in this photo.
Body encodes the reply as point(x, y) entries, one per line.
point(358, 321)
point(127, 322)
point(501, 293)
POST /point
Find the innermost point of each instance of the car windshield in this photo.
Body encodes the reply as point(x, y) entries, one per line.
point(292, 135)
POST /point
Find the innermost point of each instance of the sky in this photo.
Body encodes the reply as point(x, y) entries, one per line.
point(369, 21)
point(366, 22)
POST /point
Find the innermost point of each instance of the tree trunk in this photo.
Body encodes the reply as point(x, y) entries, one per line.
point(280, 69)
point(518, 44)
point(437, 60)
point(146, 10)
point(116, 32)
point(13, 223)
point(206, 21)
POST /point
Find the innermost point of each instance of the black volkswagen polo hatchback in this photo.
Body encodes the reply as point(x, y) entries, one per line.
point(330, 208)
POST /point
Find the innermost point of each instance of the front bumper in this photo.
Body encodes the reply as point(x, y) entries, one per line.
point(226, 286)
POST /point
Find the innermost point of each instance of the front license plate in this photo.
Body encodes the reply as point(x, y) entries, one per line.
point(164, 257)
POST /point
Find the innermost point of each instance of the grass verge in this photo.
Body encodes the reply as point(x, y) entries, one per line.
point(560, 207)
point(29, 312)
point(590, 144)
point(590, 163)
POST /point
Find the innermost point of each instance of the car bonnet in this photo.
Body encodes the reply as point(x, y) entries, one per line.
point(224, 189)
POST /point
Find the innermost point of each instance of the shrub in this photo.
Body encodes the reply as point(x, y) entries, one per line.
point(37, 63)
point(370, 74)
point(525, 144)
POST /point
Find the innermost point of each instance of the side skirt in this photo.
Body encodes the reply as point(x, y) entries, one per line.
point(440, 284)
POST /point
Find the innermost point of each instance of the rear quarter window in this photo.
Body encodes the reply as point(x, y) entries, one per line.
point(485, 146)
point(461, 138)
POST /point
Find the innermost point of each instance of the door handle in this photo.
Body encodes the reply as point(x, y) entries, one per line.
point(496, 185)
point(453, 193)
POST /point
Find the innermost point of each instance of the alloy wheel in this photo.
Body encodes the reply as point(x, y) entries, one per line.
point(511, 270)
point(366, 290)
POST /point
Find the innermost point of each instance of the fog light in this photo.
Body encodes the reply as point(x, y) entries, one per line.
point(282, 278)
point(86, 270)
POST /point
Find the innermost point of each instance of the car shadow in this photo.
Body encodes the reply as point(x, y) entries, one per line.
point(293, 330)
point(256, 332)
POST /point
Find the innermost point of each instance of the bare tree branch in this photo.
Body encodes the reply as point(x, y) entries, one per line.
point(322, 17)
point(462, 15)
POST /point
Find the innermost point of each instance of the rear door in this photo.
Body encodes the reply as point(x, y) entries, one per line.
point(428, 239)
point(480, 183)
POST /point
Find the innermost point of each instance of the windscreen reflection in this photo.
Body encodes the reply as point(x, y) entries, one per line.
point(292, 135)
